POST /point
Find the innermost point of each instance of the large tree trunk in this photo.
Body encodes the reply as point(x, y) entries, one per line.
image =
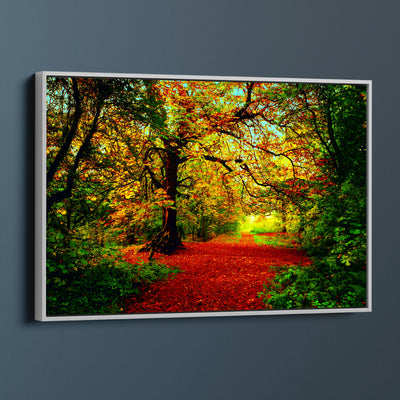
point(167, 240)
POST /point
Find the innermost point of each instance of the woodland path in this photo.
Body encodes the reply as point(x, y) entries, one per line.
point(219, 275)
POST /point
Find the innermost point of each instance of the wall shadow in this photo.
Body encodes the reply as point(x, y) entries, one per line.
point(29, 196)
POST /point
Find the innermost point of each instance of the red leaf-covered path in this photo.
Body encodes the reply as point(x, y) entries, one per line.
point(216, 276)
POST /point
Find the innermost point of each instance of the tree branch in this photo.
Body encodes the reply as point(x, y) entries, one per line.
point(70, 135)
point(317, 131)
point(82, 152)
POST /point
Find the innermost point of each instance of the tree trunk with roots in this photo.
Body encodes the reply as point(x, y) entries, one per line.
point(168, 239)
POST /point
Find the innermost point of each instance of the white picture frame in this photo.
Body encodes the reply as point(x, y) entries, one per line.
point(41, 309)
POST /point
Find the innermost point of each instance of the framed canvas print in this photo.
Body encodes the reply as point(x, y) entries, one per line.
point(188, 196)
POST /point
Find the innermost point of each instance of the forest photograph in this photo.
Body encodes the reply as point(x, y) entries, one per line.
point(203, 195)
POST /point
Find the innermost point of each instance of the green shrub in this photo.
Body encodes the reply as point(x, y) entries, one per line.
point(97, 281)
point(319, 286)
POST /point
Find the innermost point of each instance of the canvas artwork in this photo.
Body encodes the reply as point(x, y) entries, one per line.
point(172, 196)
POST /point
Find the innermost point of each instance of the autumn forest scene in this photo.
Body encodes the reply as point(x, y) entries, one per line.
point(175, 196)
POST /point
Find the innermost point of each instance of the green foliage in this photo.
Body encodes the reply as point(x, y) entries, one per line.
point(91, 280)
point(279, 240)
point(228, 227)
point(335, 238)
point(336, 232)
point(321, 286)
point(261, 224)
point(152, 229)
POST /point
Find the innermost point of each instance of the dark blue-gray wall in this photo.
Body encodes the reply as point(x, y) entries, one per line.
point(352, 356)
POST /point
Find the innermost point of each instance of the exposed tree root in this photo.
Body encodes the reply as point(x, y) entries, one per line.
point(164, 243)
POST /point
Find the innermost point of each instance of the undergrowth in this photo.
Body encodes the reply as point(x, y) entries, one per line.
point(278, 240)
point(317, 286)
point(96, 283)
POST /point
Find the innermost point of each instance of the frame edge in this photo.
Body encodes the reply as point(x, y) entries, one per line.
point(40, 212)
point(40, 197)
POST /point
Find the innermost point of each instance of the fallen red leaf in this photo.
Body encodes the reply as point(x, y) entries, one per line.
point(216, 276)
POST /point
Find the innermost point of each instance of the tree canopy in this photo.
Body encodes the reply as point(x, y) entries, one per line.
point(155, 161)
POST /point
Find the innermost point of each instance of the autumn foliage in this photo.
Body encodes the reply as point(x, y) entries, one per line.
point(162, 170)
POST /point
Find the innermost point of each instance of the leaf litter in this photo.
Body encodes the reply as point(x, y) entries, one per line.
point(219, 275)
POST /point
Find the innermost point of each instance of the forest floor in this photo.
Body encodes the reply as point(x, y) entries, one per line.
point(224, 274)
